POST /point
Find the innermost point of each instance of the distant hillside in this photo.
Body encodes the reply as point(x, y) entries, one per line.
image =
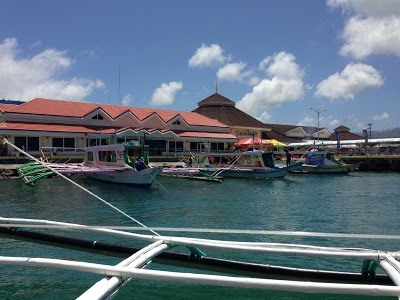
point(395, 132)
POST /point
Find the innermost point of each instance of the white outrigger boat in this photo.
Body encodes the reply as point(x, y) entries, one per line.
point(115, 163)
point(321, 162)
point(248, 164)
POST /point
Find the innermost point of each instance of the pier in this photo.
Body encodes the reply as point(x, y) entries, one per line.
point(376, 163)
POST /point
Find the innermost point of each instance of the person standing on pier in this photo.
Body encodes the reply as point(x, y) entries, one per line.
point(288, 157)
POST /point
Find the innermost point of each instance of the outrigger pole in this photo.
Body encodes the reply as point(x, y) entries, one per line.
point(131, 268)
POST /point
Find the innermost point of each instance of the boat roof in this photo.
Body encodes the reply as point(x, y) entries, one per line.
point(346, 142)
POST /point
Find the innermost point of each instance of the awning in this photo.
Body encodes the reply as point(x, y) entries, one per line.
point(277, 143)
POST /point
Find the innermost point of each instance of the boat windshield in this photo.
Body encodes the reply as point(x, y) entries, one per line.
point(107, 156)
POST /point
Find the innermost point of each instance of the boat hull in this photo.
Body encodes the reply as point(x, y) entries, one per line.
point(318, 169)
point(321, 162)
point(142, 179)
point(251, 173)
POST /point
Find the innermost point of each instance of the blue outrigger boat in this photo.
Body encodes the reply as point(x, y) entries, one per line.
point(248, 164)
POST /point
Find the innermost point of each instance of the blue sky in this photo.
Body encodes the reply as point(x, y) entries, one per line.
point(276, 59)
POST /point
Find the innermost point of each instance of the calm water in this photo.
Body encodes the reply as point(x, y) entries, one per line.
point(357, 203)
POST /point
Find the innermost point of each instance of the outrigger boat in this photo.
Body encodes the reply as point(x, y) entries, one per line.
point(248, 164)
point(379, 273)
point(114, 163)
point(321, 162)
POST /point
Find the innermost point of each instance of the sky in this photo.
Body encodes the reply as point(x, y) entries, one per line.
point(297, 62)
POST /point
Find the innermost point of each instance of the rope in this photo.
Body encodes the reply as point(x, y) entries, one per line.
point(79, 186)
point(227, 166)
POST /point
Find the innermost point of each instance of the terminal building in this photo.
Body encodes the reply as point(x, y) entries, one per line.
point(43, 123)
point(214, 126)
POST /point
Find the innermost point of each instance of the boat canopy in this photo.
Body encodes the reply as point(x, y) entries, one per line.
point(346, 142)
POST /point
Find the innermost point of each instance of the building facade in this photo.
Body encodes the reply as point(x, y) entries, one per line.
point(47, 123)
point(214, 126)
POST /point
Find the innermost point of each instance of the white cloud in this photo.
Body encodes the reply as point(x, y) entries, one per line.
point(373, 28)
point(126, 101)
point(254, 80)
point(165, 94)
point(325, 121)
point(208, 56)
point(382, 116)
point(369, 36)
point(333, 123)
point(307, 121)
point(360, 125)
point(265, 117)
point(354, 79)
point(283, 84)
point(28, 78)
point(232, 72)
point(367, 8)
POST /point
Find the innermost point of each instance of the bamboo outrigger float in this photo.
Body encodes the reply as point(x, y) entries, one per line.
point(30, 172)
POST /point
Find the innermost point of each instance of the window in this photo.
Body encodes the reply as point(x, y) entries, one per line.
point(97, 142)
point(107, 156)
point(196, 146)
point(63, 143)
point(217, 146)
point(69, 143)
point(177, 122)
point(156, 147)
point(97, 117)
point(27, 143)
point(57, 142)
point(33, 144)
point(175, 146)
point(89, 156)
point(20, 142)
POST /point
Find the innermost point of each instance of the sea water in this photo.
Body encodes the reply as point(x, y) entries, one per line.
point(361, 202)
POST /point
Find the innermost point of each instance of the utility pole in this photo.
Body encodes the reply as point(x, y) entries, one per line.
point(318, 111)
point(370, 130)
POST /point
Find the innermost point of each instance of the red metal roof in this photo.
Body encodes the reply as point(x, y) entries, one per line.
point(85, 130)
point(207, 135)
point(40, 106)
point(50, 127)
point(4, 107)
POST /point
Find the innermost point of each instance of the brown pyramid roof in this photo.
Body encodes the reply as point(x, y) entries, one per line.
point(222, 109)
point(345, 134)
point(342, 129)
point(216, 100)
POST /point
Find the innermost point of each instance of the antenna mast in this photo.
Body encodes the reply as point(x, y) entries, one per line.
point(216, 86)
point(119, 83)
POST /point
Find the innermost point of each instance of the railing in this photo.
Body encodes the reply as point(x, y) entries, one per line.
point(63, 150)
